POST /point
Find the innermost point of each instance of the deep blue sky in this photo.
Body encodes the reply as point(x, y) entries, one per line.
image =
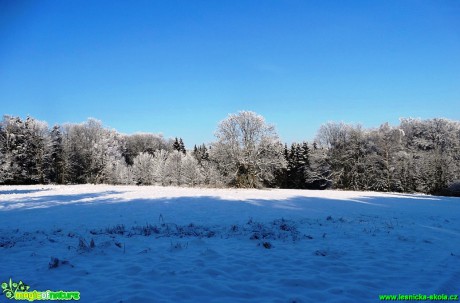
point(179, 67)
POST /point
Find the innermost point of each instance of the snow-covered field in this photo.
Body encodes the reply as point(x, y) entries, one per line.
point(168, 244)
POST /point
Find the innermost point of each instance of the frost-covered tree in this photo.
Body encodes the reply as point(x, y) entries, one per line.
point(56, 169)
point(341, 152)
point(173, 168)
point(12, 150)
point(434, 146)
point(333, 138)
point(298, 166)
point(319, 172)
point(201, 153)
point(354, 157)
point(190, 169)
point(77, 146)
point(90, 151)
point(416, 156)
point(142, 169)
point(37, 151)
point(211, 175)
point(247, 151)
point(176, 145)
point(104, 150)
point(182, 146)
point(24, 150)
point(387, 140)
point(159, 162)
point(143, 143)
point(124, 173)
point(109, 150)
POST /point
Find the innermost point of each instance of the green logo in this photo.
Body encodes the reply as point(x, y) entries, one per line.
point(20, 291)
point(9, 289)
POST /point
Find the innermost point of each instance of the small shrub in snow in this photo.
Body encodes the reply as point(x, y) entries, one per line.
point(254, 236)
point(146, 230)
point(112, 230)
point(234, 228)
point(321, 253)
point(5, 243)
point(55, 263)
point(177, 246)
point(83, 246)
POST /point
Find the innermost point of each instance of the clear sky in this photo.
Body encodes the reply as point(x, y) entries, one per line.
point(179, 67)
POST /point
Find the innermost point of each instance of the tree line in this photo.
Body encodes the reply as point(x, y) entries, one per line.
point(415, 156)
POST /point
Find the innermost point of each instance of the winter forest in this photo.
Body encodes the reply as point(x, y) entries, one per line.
point(415, 156)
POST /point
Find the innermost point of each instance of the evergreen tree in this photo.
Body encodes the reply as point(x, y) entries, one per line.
point(286, 152)
point(182, 146)
point(176, 145)
point(56, 172)
point(416, 156)
point(305, 154)
point(201, 153)
point(204, 153)
point(12, 150)
point(282, 174)
point(195, 152)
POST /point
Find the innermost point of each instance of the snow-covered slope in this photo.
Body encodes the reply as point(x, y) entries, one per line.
point(169, 244)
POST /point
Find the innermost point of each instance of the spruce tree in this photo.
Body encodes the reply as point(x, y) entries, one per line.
point(56, 172)
point(176, 145)
point(195, 151)
point(204, 153)
point(182, 146)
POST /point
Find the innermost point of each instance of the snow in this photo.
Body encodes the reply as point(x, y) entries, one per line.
point(171, 244)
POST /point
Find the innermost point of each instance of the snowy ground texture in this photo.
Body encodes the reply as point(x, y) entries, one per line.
point(167, 244)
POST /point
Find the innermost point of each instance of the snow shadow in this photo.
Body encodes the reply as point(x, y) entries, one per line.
point(109, 208)
point(23, 203)
point(21, 191)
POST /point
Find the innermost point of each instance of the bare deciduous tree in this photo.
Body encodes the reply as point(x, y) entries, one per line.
point(248, 151)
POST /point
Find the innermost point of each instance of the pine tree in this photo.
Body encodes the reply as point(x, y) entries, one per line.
point(204, 153)
point(56, 172)
point(305, 154)
point(176, 145)
point(182, 146)
point(282, 174)
point(286, 152)
point(11, 149)
point(294, 166)
point(195, 152)
point(201, 153)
